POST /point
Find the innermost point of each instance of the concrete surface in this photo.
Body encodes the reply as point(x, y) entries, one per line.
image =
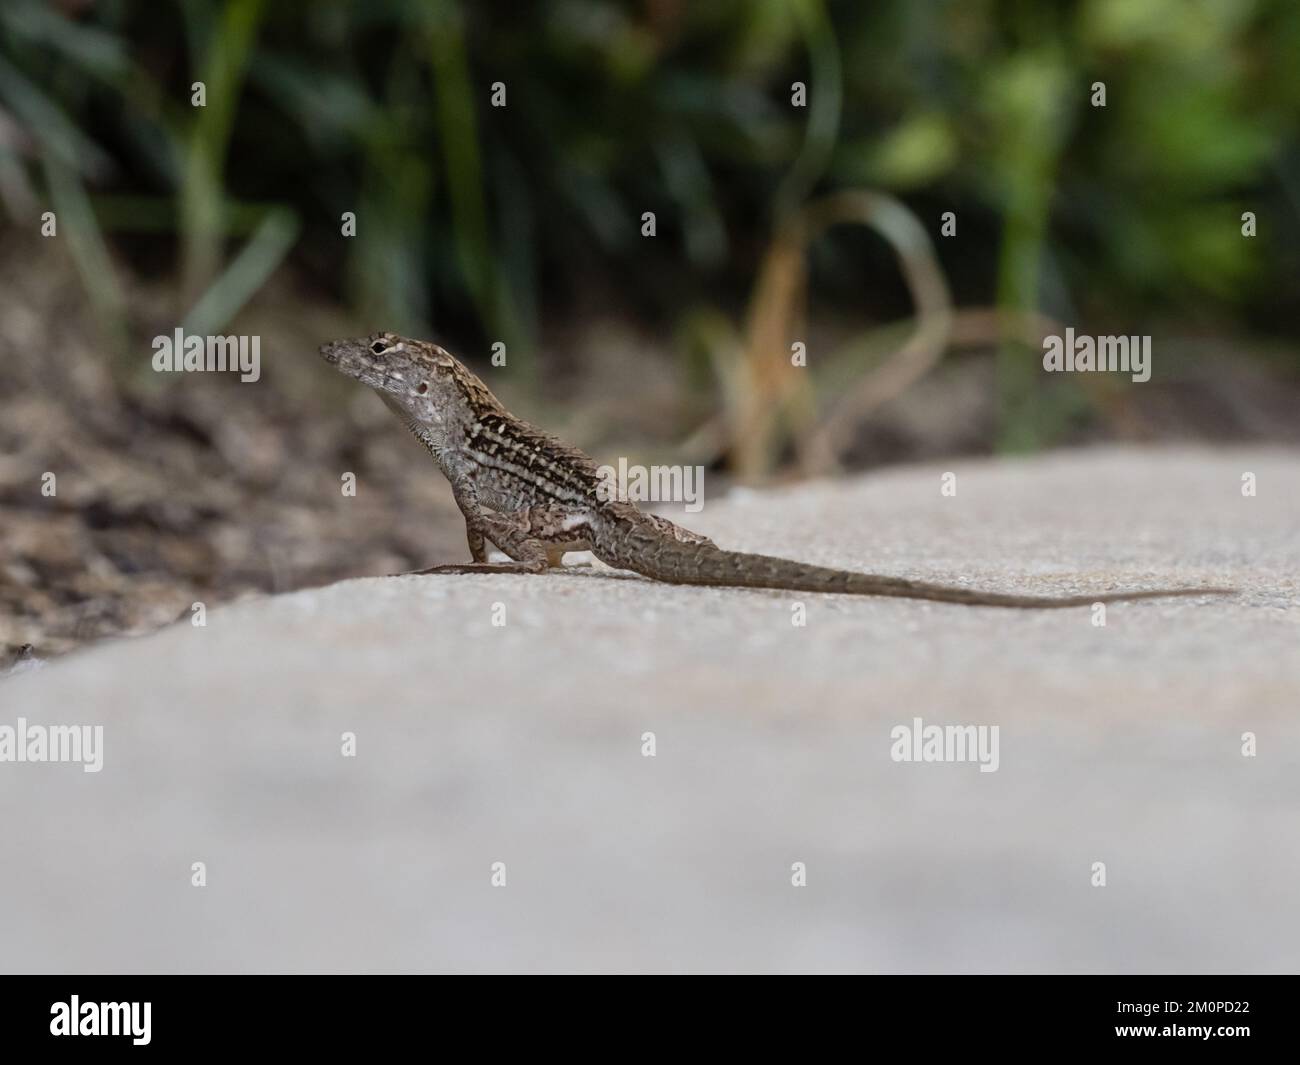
point(522, 744)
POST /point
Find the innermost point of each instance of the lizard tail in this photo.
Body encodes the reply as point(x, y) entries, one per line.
point(704, 563)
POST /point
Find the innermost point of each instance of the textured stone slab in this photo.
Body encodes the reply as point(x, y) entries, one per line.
point(522, 744)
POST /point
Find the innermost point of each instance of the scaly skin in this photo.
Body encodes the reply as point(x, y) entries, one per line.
point(536, 498)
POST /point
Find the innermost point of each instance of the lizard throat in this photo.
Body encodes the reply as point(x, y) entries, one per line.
point(417, 427)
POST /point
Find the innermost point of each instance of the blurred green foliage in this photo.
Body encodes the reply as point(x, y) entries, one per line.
point(473, 217)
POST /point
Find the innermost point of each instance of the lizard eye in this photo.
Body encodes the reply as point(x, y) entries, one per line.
point(378, 347)
point(424, 387)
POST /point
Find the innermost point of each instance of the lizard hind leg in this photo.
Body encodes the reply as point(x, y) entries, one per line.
point(684, 536)
point(559, 529)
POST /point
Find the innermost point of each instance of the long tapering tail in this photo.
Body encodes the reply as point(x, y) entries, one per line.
point(705, 563)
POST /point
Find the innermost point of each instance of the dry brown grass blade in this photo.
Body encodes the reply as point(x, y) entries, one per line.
point(776, 395)
point(819, 448)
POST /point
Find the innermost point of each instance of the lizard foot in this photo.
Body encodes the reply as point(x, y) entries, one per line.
point(479, 567)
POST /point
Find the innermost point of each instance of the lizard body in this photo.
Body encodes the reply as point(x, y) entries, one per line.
point(535, 497)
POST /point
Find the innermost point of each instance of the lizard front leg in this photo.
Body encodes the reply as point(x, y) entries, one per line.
point(535, 538)
point(473, 513)
point(480, 567)
point(511, 533)
point(481, 525)
point(477, 544)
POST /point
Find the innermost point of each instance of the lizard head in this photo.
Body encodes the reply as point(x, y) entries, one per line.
point(411, 371)
point(415, 379)
point(433, 394)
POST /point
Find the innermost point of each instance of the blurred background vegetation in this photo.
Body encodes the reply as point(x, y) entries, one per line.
point(522, 224)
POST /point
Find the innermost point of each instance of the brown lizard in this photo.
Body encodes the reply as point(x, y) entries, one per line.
point(536, 498)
